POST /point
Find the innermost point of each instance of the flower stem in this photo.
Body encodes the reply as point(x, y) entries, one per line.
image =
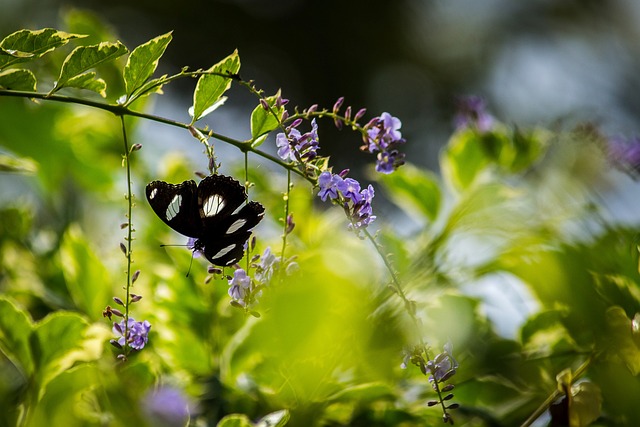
point(127, 159)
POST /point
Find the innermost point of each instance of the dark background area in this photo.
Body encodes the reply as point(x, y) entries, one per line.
point(537, 62)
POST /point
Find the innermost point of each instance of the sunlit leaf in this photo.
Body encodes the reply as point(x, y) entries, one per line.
point(84, 58)
point(264, 121)
point(17, 164)
point(86, 277)
point(210, 87)
point(235, 420)
point(65, 394)
point(364, 392)
point(52, 340)
point(621, 342)
point(143, 61)
point(219, 103)
point(586, 405)
point(462, 160)
point(274, 419)
point(89, 81)
point(415, 190)
point(15, 330)
point(18, 79)
point(25, 45)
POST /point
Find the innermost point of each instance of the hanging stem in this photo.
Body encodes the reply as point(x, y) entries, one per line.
point(129, 237)
point(286, 216)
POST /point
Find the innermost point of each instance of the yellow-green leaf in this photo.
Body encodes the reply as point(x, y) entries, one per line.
point(84, 58)
point(89, 81)
point(18, 79)
point(143, 62)
point(210, 87)
point(24, 45)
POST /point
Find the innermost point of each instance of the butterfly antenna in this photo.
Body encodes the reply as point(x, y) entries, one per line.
point(190, 264)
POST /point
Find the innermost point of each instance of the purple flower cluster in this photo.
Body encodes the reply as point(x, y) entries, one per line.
point(137, 333)
point(296, 146)
point(356, 202)
point(443, 366)
point(166, 406)
point(472, 112)
point(625, 154)
point(240, 288)
point(382, 138)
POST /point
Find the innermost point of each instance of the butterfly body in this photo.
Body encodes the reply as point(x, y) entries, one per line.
point(211, 212)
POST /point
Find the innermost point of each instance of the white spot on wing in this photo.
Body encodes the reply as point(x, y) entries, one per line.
point(174, 207)
point(213, 205)
point(153, 193)
point(238, 224)
point(222, 252)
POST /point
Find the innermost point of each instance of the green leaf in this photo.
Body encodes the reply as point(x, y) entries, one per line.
point(25, 45)
point(235, 420)
point(151, 86)
point(84, 58)
point(69, 397)
point(263, 121)
point(18, 79)
point(621, 339)
point(586, 405)
point(89, 82)
point(54, 338)
point(143, 61)
point(415, 190)
point(463, 159)
point(15, 330)
point(17, 164)
point(274, 419)
point(210, 87)
point(88, 281)
point(367, 392)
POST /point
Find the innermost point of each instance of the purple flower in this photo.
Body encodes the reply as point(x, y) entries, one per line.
point(356, 202)
point(298, 147)
point(350, 189)
point(266, 267)
point(443, 366)
point(472, 112)
point(385, 132)
point(166, 407)
point(388, 161)
point(382, 137)
point(362, 212)
point(625, 154)
point(239, 286)
point(137, 333)
point(328, 184)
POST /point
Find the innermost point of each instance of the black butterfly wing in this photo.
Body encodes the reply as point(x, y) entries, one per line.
point(223, 241)
point(226, 226)
point(211, 212)
point(177, 206)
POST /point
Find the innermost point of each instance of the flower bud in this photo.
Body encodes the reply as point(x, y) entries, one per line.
point(117, 312)
point(135, 276)
point(359, 114)
point(135, 298)
point(338, 104)
point(118, 301)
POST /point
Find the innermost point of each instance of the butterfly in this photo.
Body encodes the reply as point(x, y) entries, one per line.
point(209, 212)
